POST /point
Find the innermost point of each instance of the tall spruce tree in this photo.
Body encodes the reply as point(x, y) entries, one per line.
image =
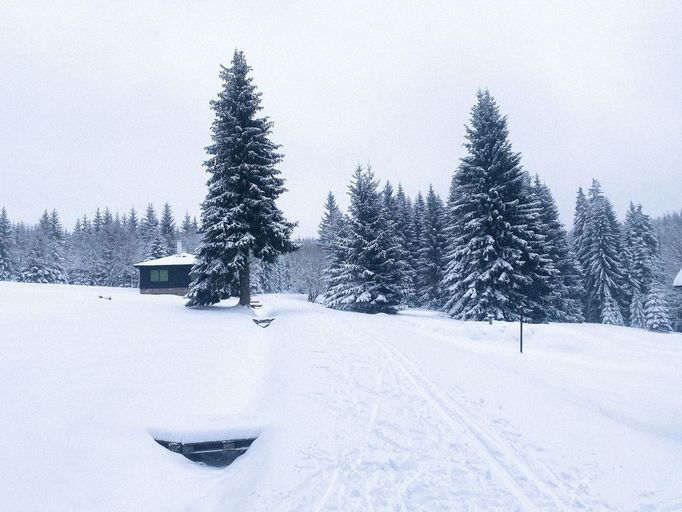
point(75, 254)
point(239, 217)
point(656, 309)
point(403, 220)
point(641, 250)
point(394, 220)
point(331, 234)
point(158, 245)
point(389, 201)
point(330, 224)
point(538, 264)
point(97, 220)
point(493, 266)
point(45, 259)
point(168, 231)
point(566, 295)
point(148, 231)
point(450, 218)
point(6, 247)
point(451, 233)
point(373, 275)
point(188, 234)
point(404, 226)
point(418, 212)
point(637, 313)
point(601, 252)
point(579, 219)
point(133, 223)
point(432, 246)
point(644, 272)
point(82, 253)
point(610, 312)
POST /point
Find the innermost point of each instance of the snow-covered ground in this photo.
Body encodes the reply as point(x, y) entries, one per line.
point(354, 412)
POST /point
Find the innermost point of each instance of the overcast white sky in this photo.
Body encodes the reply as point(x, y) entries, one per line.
point(109, 104)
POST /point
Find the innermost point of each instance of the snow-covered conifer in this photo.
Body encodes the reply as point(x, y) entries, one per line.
point(331, 233)
point(158, 246)
point(602, 256)
point(133, 222)
point(6, 246)
point(641, 248)
point(404, 226)
point(431, 263)
point(45, 260)
point(189, 235)
point(579, 219)
point(493, 266)
point(644, 266)
point(167, 225)
point(394, 219)
point(330, 224)
point(239, 217)
point(566, 286)
point(76, 253)
point(610, 313)
point(418, 213)
point(403, 220)
point(656, 309)
point(148, 226)
point(97, 220)
point(373, 275)
point(637, 314)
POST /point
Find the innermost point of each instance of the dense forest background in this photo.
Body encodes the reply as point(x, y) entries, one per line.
point(100, 250)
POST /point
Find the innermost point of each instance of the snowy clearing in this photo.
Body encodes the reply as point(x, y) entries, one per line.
point(354, 412)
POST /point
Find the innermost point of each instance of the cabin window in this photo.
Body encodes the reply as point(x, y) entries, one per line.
point(159, 276)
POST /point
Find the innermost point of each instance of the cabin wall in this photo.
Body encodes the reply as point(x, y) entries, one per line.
point(177, 284)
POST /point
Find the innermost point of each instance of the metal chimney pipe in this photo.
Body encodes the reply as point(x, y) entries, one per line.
point(179, 248)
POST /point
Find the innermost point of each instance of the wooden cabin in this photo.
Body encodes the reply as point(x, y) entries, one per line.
point(169, 275)
point(677, 283)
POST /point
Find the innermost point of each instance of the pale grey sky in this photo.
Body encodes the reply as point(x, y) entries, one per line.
point(109, 104)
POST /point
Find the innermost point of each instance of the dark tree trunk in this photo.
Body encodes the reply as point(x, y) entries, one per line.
point(245, 286)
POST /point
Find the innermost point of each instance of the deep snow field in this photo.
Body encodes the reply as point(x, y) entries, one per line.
point(354, 412)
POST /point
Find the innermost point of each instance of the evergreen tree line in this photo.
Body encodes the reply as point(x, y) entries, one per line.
point(669, 231)
point(101, 251)
point(623, 270)
point(98, 251)
point(494, 249)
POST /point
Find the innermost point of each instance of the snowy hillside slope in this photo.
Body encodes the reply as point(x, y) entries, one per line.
point(355, 412)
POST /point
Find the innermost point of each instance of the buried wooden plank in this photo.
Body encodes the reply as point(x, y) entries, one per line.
point(212, 453)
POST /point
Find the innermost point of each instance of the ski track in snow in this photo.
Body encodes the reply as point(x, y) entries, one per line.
point(385, 460)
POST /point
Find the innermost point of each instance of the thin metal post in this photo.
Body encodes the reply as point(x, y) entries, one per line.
point(521, 331)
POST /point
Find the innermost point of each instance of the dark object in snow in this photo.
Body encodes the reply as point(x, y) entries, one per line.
point(105, 298)
point(212, 453)
point(263, 322)
point(255, 304)
point(521, 329)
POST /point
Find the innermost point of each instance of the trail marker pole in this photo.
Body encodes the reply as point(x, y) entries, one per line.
point(521, 330)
